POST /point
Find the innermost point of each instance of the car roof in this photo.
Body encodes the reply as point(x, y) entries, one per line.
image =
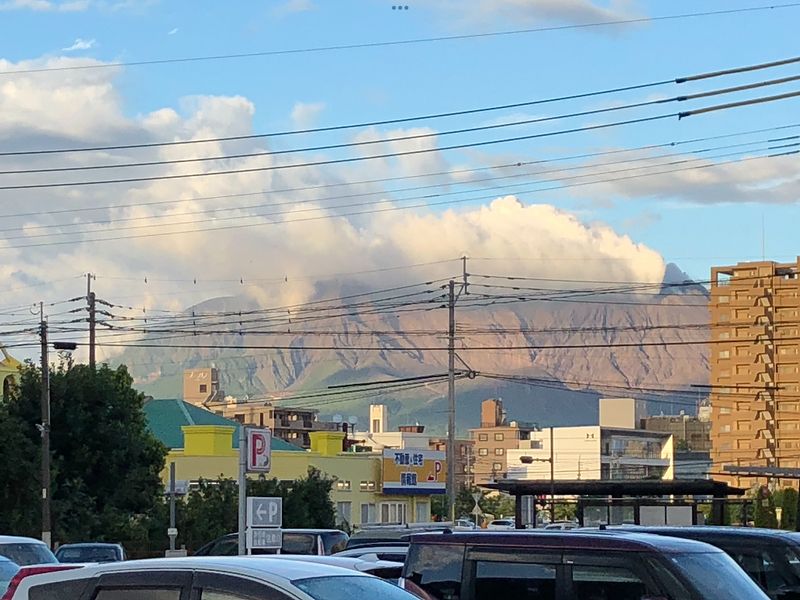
point(254, 566)
point(16, 539)
point(89, 545)
point(631, 542)
point(313, 531)
point(345, 562)
point(716, 532)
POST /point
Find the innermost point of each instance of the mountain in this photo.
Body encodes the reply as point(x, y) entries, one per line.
point(570, 351)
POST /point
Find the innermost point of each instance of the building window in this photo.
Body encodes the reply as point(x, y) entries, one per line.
point(367, 486)
point(497, 467)
point(203, 388)
point(725, 335)
point(724, 299)
point(394, 512)
point(423, 512)
point(483, 437)
point(536, 445)
point(499, 451)
point(725, 429)
point(724, 410)
point(343, 486)
point(376, 426)
point(344, 513)
point(367, 513)
point(725, 354)
point(499, 437)
point(483, 452)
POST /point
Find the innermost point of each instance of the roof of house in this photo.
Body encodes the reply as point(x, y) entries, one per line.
point(166, 417)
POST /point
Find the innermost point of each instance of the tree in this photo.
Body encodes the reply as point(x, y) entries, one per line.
point(211, 509)
point(789, 509)
point(105, 463)
point(765, 515)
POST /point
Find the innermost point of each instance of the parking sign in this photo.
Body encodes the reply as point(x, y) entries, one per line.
point(259, 452)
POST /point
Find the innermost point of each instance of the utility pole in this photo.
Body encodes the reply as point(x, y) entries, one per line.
point(451, 400)
point(552, 476)
point(242, 537)
point(44, 429)
point(90, 300)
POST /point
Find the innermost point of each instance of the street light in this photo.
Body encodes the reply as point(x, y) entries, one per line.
point(44, 429)
point(530, 460)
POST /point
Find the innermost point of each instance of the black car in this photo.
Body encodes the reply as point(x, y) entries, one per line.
point(386, 536)
point(771, 557)
point(567, 566)
point(312, 542)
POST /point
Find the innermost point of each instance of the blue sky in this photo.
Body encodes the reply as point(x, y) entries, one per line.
point(685, 220)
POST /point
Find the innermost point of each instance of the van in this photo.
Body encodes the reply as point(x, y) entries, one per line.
point(569, 566)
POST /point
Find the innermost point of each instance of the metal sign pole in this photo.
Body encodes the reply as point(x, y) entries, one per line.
point(242, 490)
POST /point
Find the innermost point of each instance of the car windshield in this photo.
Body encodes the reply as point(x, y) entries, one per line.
point(7, 571)
point(87, 554)
point(25, 554)
point(348, 587)
point(716, 576)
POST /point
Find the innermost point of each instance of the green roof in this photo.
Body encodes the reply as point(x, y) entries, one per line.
point(166, 417)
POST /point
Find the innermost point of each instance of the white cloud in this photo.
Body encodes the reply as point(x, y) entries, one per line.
point(46, 5)
point(280, 241)
point(80, 44)
point(537, 11)
point(173, 31)
point(293, 6)
point(305, 114)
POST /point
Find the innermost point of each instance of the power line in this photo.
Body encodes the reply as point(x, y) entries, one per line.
point(438, 173)
point(534, 174)
point(387, 209)
point(420, 136)
point(406, 42)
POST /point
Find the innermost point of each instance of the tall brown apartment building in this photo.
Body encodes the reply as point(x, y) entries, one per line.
point(755, 366)
point(493, 439)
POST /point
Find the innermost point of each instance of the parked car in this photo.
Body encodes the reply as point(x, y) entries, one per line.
point(395, 553)
point(29, 571)
point(309, 542)
point(501, 524)
point(8, 569)
point(567, 565)
point(465, 524)
point(26, 551)
point(562, 525)
point(769, 556)
point(392, 534)
point(90, 553)
point(388, 570)
point(209, 577)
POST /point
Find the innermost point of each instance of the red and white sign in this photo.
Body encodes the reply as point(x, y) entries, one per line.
point(259, 451)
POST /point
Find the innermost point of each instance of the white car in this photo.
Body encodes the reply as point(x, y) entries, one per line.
point(385, 569)
point(502, 524)
point(26, 551)
point(394, 553)
point(217, 578)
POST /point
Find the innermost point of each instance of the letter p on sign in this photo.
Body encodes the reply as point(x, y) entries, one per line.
point(259, 453)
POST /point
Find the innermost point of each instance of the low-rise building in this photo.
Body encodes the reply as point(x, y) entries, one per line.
point(201, 388)
point(691, 434)
point(390, 486)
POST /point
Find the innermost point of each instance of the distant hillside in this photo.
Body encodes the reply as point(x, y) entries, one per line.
point(639, 360)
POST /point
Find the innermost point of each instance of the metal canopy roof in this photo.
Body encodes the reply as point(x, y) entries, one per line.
point(616, 488)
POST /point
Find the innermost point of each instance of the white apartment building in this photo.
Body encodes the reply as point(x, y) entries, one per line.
point(614, 449)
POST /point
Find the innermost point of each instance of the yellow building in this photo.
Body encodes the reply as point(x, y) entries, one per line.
point(9, 371)
point(369, 487)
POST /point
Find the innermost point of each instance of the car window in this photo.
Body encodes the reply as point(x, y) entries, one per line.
point(87, 554)
point(520, 581)
point(63, 590)
point(334, 542)
point(25, 554)
point(347, 588)
point(225, 547)
point(138, 593)
point(213, 586)
point(728, 580)
point(608, 583)
point(299, 543)
point(436, 569)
